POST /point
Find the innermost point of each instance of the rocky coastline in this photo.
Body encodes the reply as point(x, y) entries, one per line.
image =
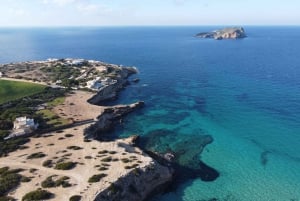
point(128, 172)
point(134, 168)
point(226, 33)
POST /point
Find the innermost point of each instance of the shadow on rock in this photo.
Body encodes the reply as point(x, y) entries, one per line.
point(183, 151)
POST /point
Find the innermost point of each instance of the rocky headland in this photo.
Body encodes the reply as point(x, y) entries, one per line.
point(226, 33)
point(66, 161)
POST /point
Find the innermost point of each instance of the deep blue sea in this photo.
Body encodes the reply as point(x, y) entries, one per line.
point(244, 93)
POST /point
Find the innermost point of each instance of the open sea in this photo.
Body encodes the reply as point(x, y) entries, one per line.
point(244, 93)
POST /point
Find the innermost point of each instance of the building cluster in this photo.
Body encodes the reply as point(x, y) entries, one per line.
point(97, 83)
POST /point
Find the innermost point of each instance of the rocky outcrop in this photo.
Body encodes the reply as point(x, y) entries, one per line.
point(107, 119)
point(226, 33)
point(138, 184)
point(110, 92)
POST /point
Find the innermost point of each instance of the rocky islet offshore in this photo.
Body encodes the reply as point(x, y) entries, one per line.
point(226, 33)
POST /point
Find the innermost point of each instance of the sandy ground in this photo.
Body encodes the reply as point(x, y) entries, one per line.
point(76, 107)
point(88, 160)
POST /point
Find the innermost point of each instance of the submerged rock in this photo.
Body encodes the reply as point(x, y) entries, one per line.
point(226, 33)
point(183, 151)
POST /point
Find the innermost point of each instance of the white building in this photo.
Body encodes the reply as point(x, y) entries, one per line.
point(52, 59)
point(25, 124)
point(1, 74)
point(94, 84)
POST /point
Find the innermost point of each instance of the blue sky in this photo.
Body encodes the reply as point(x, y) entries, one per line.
point(148, 12)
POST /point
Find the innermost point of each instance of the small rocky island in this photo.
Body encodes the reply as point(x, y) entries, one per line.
point(226, 33)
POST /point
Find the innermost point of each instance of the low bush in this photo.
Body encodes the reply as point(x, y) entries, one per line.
point(65, 165)
point(96, 178)
point(75, 198)
point(125, 160)
point(107, 159)
point(9, 179)
point(103, 152)
point(50, 183)
point(36, 155)
point(74, 147)
point(112, 152)
point(25, 179)
point(38, 194)
point(48, 163)
point(69, 135)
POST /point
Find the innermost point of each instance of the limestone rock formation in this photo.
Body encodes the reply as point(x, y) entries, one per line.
point(106, 120)
point(138, 184)
point(226, 33)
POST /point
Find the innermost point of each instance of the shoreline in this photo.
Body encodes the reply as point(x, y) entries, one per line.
point(118, 161)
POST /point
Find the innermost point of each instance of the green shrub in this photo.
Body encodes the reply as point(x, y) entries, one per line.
point(38, 194)
point(103, 168)
point(96, 178)
point(69, 135)
point(32, 170)
point(9, 179)
point(74, 147)
point(25, 179)
point(48, 163)
point(5, 198)
point(65, 165)
point(75, 198)
point(36, 155)
point(107, 159)
point(50, 183)
point(125, 160)
point(103, 152)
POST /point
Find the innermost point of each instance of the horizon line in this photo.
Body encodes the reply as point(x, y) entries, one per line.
point(179, 25)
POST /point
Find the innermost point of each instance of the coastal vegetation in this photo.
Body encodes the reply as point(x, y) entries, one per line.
point(38, 194)
point(9, 179)
point(27, 107)
point(75, 198)
point(96, 177)
point(13, 90)
point(36, 155)
point(49, 182)
point(65, 165)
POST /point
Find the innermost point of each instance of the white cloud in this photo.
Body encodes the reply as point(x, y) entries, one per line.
point(88, 7)
point(59, 2)
point(17, 11)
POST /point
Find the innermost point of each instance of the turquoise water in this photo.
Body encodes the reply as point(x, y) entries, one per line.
point(243, 93)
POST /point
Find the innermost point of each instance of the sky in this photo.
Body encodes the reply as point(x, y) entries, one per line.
point(148, 12)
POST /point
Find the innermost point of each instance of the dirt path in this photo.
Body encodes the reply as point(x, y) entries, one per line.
point(20, 80)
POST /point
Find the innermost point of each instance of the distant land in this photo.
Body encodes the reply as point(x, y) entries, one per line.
point(226, 33)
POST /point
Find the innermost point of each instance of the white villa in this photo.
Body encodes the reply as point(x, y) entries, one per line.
point(94, 84)
point(22, 126)
point(75, 62)
point(25, 123)
point(1, 74)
